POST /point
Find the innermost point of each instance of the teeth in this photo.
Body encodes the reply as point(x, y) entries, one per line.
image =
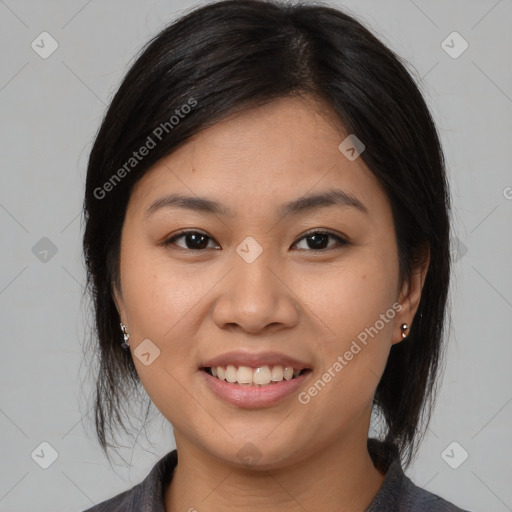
point(244, 375)
point(261, 376)
point(277, 373)
point(231, 373)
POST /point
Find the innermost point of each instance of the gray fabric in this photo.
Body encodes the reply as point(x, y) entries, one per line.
point(397, 494)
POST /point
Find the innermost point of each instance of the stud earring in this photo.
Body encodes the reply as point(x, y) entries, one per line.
point(126, 336)
point(404, 328)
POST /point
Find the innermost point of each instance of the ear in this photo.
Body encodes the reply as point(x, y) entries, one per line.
point(118, 301)
point(410, 295)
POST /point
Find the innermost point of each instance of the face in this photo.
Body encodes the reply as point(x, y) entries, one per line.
point(314, 286)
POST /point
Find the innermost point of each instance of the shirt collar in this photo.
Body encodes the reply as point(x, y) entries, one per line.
point(150, 493)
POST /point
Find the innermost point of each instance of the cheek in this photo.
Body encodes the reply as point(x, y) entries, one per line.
point(356, 307)
point(161, 303)
point(350, 297)
point(159, 295)
point(159, 300)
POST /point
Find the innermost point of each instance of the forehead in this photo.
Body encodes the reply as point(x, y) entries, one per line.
point(262, 157)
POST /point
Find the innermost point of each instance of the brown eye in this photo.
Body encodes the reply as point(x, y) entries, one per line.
point(318, 240)
point(197, 241)
point(194, 240)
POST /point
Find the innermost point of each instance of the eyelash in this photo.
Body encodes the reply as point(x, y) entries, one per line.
point(341, 241)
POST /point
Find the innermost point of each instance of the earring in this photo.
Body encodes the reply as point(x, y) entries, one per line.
point(404, 328)
point(126, 336)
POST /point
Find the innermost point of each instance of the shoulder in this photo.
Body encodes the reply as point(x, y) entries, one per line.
point(147, 495)
point(420, 500)
point(398, 492)
point(123, 502)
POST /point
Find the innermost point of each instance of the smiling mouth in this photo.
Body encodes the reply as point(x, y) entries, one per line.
point(262, 376)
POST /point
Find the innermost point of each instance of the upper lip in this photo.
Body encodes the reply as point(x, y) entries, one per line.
point(255, 360)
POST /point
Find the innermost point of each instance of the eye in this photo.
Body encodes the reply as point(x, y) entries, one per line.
point(194, 240)
point(318, 239)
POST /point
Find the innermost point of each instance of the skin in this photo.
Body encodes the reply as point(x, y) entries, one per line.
point(309, 303)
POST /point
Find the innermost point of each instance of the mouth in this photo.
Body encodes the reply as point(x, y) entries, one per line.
point(261, 376)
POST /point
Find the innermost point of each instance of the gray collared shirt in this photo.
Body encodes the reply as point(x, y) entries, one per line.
point(397, 494)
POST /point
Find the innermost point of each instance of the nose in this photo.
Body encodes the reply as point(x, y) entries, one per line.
point(256, 296)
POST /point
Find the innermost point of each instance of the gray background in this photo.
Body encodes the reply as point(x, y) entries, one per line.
point(50, 110)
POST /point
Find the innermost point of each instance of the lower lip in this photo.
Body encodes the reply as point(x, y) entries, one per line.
point(254, 396)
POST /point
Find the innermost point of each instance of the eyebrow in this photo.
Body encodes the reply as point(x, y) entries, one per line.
point(300, 205)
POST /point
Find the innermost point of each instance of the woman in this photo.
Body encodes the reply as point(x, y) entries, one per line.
point(267, 246)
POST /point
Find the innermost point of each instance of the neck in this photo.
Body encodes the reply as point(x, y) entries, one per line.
point(340, 477)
